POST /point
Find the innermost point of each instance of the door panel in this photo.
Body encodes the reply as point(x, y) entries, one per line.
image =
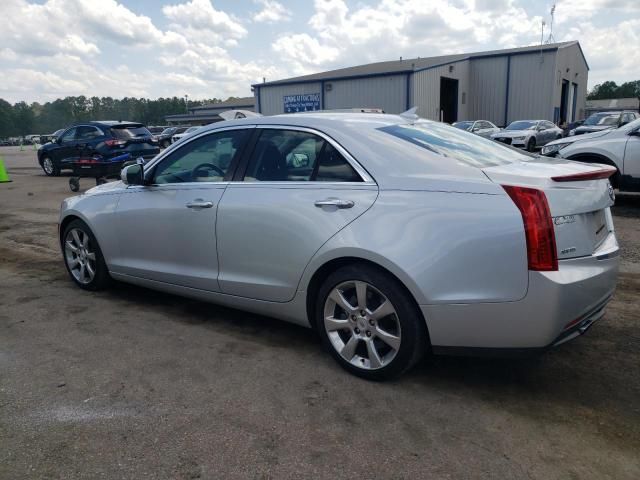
point(162, 239)
point(631, 165)
point(268, 232)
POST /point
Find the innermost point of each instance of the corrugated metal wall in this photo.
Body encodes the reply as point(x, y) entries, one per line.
point(570, 62)
point(425, 88)
point(386, 92)
point(531, 85)
point(272, 97)
point(487, 89)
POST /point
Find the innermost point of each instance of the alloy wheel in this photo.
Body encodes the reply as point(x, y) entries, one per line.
point(362, 325)
point(80, 256)
point(47, 164)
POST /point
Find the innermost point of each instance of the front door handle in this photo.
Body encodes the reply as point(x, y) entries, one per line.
point(199, 204)
point(334, 202)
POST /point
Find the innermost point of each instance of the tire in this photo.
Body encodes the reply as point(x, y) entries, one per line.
point(531, 145)
point(166, 143)
point(86, 257)
point(370, 346)
point(49, 167)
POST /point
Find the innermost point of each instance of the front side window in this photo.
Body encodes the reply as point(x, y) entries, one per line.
point(295, 156)
point(205, 159)
point(69, 135)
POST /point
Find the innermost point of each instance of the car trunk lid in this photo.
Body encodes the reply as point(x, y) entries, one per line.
point(579, 196)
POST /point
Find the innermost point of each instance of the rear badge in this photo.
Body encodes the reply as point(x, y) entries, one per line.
point(567, 250)
point(564, 219)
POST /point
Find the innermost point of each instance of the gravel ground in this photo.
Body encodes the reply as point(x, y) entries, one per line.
point(131, 383)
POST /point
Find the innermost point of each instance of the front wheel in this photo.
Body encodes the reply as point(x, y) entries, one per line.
point(83, 257)
point(50, 168)
point(531, 145)
point(369, 323)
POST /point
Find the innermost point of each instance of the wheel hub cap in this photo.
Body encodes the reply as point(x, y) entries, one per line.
point(362, 325)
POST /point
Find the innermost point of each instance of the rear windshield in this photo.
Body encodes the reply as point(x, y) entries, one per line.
point(456, 144)
point(521, 125)
point(155, 129)
point(130, 132)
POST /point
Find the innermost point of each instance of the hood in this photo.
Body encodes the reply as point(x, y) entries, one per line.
point(109, 187)
point(593, 128)
point(579, 138)
point(512, 133)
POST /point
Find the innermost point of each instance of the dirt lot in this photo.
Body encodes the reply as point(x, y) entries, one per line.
point(131, 383)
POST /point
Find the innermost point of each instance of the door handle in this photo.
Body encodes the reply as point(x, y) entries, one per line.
point(334, 202)
point(199, 204)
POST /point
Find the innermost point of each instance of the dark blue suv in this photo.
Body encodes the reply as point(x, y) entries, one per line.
point(106, 139)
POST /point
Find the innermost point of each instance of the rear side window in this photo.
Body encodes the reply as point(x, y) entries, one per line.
point(88, 133)
point(289, 155)
point(125, 133)
point(455, 145)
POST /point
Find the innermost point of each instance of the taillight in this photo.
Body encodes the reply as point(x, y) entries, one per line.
point(538, 227)
point(115, 143)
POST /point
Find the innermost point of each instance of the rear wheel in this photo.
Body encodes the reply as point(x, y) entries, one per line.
point(83, 257)
point(369, 323)
point(531, 145)
point(49, 167)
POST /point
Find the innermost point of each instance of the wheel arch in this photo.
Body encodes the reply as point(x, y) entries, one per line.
point(67, 220)
point(329, 266)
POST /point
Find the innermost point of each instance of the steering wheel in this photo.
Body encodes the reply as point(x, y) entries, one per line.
point(210, 166)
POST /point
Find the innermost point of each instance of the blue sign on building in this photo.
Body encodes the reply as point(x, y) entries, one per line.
point(301, 103)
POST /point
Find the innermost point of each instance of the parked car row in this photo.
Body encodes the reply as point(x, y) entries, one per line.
point(528, 134)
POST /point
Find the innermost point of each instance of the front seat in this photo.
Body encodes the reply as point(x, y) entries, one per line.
point(273, 165)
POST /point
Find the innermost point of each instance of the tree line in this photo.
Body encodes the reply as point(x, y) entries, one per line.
point(22, 118)
point(610, 89)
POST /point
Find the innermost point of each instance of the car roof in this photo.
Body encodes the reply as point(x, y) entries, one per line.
point(111, 123)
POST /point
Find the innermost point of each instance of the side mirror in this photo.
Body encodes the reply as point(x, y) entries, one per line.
point(132, 175)
point(635, 132)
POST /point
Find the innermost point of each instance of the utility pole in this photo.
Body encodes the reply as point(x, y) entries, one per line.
point(186, 102)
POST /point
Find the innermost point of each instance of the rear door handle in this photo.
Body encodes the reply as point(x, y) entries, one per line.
point(199, 204)
point(334, 202)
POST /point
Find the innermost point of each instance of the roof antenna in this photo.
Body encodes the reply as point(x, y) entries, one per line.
point(550, 38)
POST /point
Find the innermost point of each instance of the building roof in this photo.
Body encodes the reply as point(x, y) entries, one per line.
point(231, 104)
point(414, 64)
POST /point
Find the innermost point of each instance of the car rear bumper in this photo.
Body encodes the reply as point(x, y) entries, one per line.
point(558, 306)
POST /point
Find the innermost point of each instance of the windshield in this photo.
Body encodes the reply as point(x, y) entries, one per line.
point(455, 144)
point(521, 125)
point(191, 129)
point(602, 119)
point(168, 131)
point(463, 125)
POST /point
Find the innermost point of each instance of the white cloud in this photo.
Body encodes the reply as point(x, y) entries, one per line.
point(272, 12)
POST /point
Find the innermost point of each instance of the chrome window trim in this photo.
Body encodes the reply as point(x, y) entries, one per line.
point(174, 147)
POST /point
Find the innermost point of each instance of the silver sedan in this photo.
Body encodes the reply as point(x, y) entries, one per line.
point(529, 134)
point(390, 235)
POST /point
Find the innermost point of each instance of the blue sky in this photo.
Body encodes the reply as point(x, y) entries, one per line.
point(218, 48)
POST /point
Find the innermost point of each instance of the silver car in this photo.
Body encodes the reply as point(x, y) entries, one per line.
point(618, 147)
point(391, 236)
point(529, 134)
point(483, 128)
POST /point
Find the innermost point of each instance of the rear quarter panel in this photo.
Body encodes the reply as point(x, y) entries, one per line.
point(445, 247)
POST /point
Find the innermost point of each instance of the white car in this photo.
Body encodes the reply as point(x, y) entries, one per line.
point(483, 128)
point(529, 134)
point(189, 130)
point(619, 147)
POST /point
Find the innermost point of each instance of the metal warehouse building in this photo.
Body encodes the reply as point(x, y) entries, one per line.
point(539, 82)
